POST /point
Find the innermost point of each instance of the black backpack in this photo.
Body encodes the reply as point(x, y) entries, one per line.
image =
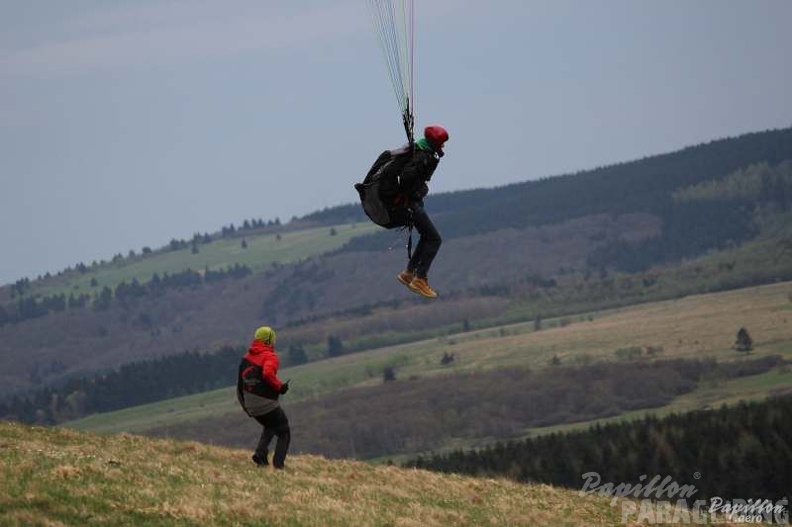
point(249, 379)
point(380, 187)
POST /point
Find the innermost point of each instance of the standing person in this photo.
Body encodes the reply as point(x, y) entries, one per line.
point(258, 390)
point(392, 195)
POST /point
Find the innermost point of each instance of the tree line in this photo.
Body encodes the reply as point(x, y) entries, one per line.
point(619, 188)
point(130, 385)
point(21, 286)
point(30, 307)
point(655, 185)
point(738, 452)
point(133, 384)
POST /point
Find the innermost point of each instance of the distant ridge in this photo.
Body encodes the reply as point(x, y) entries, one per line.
point(616, 188)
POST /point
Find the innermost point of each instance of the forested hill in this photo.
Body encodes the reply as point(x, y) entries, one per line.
point(500, 245)
point(645, 185)
point(753, 437)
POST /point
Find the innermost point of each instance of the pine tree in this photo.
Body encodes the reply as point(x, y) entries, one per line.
point(103, 300)
point(335, 347)
point(297, 355)
point(744, 342)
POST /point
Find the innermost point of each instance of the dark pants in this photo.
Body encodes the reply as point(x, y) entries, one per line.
point(428, 243)
point(275, 423)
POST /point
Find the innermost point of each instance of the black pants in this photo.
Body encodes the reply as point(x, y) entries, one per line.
point(428, 243)
point(275, 423)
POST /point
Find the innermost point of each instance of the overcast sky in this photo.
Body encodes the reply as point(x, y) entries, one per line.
point(127, 123)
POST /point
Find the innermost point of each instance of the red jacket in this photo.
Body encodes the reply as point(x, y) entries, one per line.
point(263, 356)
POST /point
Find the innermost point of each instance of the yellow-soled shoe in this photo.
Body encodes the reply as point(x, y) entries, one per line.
point(421, 287)
point(405, 277)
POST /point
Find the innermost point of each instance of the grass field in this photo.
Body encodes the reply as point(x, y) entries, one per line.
point(744, 389)
point(692, 327)
point(262, 251)
point(777, 381)
point(63, 477)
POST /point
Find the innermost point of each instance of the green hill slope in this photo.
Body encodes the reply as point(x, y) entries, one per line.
point(695, 327)
point(63, 477)
point(261, 251)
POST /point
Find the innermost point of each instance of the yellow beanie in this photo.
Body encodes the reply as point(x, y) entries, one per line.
point(265, 334)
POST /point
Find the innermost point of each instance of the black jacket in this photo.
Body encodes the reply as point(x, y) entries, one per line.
point(405, 173)
point(396, 183)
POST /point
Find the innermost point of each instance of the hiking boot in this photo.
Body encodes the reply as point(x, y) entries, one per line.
point(421, 286)
point(260, 461)
point(405, 277)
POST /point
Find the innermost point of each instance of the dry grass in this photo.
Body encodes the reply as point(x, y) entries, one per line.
point(63, 477)
point(691, 327)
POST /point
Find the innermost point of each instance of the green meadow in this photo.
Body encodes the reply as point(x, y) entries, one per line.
point(262, 251)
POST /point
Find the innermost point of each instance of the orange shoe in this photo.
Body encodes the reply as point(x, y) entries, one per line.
point(405, 277)
point(421, 286)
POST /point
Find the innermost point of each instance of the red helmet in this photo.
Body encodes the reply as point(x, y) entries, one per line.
point(436, 135)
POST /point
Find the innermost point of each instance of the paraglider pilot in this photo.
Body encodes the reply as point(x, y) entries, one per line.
point(404, 173)
point(258, 391)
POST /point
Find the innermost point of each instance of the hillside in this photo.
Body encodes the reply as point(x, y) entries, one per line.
point(258, 249)
point(62, 477)
point(336, 402)
point(154, 321)
point(601, 238)
point(754, 437)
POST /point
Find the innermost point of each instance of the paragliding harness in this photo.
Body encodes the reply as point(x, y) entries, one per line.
point(379, 192)
point(250, 380)
point(380, 198)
